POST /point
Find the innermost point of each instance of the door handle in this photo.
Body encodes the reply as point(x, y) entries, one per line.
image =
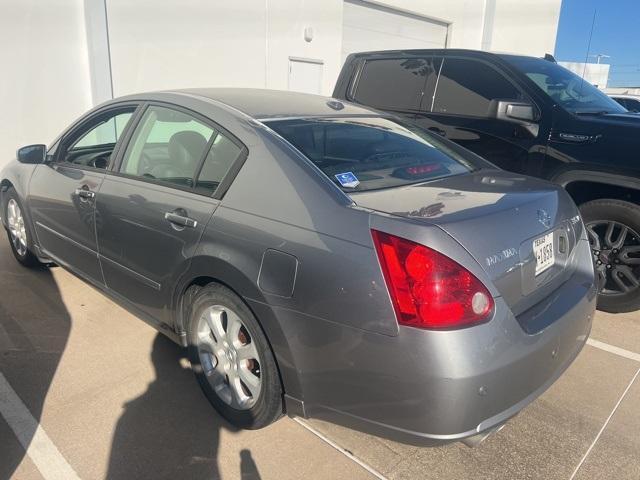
point(85, 193)
point(438, 131)
point(180, 220)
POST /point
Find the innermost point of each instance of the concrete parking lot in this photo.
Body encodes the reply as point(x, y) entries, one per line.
point(88, 391)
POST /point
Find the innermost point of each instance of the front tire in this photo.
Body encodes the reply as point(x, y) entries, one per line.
point(613, 227)
point(232, 359)
point(18, 231)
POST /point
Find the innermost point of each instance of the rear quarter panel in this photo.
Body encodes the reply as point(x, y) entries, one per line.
point(281, 202)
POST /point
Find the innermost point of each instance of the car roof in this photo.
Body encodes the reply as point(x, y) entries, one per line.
point(436, 51)
point(502, 57)
point(263, 104)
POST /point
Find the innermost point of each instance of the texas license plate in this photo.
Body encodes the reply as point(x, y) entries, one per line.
point(543, 251)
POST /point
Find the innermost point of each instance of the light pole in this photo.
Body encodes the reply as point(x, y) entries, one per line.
point(600, 56)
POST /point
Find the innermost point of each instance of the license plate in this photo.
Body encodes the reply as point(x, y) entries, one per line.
point(543, 251)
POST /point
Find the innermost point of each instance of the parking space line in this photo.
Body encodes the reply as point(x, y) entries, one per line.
point(613, 349)
point(604, 426)
point(37, 444)
point(346, 453)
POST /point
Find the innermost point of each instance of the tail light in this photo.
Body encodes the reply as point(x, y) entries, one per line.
point(427, 288)
point(420, 171)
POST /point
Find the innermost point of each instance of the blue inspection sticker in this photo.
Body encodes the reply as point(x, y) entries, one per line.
point(348, 179)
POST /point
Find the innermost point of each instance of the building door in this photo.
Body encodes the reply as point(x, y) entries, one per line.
point(367, 27)
point(305, 75)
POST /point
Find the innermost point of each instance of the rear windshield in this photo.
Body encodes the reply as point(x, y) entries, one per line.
point(361, 154)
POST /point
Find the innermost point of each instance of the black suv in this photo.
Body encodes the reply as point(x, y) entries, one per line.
point(527, 115)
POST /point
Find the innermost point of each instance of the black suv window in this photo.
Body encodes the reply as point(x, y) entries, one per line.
point(564, 87)
point(467, 87)
point(632, 105)
point(621, 101)
point(395, 83)
point(629, 103)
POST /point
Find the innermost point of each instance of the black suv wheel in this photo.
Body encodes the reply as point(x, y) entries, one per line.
point(614, 234)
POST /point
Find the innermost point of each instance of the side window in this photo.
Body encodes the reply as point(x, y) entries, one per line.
point(467, 87)
point(396, 84)
point(104, 133)
point(628, 103)
point(632, 105)
point(216, 165)
point(167, 145)
point(621, 101)
point(92, 147)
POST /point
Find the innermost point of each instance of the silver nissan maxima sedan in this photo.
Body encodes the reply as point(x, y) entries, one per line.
point(315, 257)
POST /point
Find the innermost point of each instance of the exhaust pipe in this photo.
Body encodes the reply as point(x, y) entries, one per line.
point(477, 439)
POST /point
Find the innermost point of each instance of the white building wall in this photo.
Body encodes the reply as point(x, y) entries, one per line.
point(45, 77)
point(61, 63)
point(186, 43)
point(248, 43)
point(199, 43)
point(465, 17)
point(527, 27)
point(287, 20)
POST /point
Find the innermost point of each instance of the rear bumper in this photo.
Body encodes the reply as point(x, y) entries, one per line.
point(426, 387)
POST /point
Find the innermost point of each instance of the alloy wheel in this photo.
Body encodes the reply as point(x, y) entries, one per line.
point(616, 255)
point(17, 229)
point(229, 357)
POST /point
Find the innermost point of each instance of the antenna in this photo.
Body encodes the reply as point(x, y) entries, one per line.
point(584, 70)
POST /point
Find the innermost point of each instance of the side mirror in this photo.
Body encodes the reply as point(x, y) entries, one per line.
point(520, 111)
point(32, 154)
point(514, 111)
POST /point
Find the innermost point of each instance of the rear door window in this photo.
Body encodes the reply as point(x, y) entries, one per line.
point(167, 145)
point(218, 162)
point(394, 84)
point(467, 87)
point(362, 154)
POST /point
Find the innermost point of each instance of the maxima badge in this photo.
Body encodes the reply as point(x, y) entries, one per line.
point(544, 218)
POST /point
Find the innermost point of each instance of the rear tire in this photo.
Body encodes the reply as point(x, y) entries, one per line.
point(18, 232)
point(232, 359)
point(613, 227)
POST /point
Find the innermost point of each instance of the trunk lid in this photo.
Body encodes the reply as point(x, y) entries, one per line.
point(496, 216)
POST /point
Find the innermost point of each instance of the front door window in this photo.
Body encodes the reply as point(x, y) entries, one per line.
point(93, 145)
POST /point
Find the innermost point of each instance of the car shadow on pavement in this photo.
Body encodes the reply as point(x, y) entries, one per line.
point(34, 329)
point(170, 431)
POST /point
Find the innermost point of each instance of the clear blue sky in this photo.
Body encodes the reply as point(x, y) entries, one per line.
point(616, 33)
